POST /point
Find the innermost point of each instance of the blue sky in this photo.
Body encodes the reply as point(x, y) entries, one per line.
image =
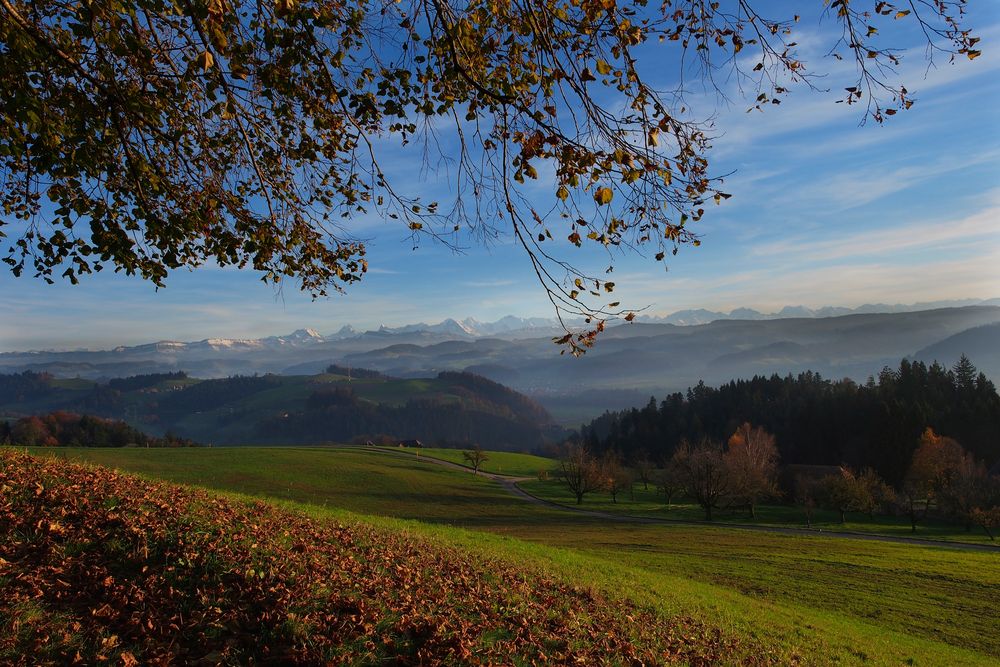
point(824, 212)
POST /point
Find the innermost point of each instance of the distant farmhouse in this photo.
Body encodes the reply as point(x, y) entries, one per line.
point(410, 443)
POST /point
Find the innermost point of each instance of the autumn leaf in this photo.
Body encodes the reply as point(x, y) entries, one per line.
point(205, 60)
point(603, 196)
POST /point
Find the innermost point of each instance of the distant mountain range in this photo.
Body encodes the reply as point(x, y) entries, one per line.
point(702, 316)
point(629, 363)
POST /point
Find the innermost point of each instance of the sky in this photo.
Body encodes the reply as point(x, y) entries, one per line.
point(824, 212)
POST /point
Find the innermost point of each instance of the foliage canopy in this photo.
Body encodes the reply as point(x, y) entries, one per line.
point(157, 134)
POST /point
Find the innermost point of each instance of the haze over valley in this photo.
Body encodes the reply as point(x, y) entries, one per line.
point(633, 361)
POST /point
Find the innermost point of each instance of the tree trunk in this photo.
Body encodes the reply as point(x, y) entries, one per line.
point(579, 498)
point(843, 516)
point(753, 511)
point(708, 512)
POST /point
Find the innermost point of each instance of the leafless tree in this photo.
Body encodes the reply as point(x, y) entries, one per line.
point(644, 467)
point(580, 470)
point(806, 493)
point(670, 480)
point(707, 478)
point(616, 477)
point(475, 457)
point(752, 458)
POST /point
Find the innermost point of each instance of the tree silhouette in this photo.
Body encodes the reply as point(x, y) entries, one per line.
point(580, 471)
point(152, 135)
point(475, 457)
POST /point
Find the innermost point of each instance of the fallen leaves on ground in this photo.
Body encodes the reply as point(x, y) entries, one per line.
point(101, 567)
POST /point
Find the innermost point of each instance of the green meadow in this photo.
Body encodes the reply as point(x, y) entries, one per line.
point(810, 599)
point(500, 463)
point(647, 503)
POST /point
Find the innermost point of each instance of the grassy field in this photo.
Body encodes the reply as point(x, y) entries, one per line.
point(501, 463)
point(821, 599)
point(348, 478)
point(647, 503)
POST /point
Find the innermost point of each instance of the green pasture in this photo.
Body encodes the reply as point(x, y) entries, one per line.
point(647, 503)
point(807, 598)
point(351, 478)
point(501, 463)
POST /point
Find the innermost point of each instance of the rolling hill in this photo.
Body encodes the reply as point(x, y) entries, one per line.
point(311, 582)
point(452, 408)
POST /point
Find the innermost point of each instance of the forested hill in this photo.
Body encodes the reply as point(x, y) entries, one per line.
point(65, 429)
point(818, 421)
point(451, 409)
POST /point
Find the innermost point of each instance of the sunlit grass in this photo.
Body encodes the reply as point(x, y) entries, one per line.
point(832, 600)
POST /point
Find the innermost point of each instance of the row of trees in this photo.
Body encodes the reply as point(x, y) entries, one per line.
point(818, 422)
point(742, 474)
point(942, 479)
point(66, 429)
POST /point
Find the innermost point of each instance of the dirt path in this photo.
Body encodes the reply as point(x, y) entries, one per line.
point(510, 484)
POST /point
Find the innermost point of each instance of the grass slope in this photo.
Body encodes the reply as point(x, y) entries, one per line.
point(348, 478)
point(813, 599)
point(101, 567)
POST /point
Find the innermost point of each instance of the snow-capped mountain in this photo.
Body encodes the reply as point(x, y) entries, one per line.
point(448, 326)
point(507, 324)
point(673, 351)
point(474, 328)
point(699, 316)
point(299, 338)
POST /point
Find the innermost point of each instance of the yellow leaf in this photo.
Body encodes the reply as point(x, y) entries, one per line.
point(562, 193)
point(974, 54)
point(603, 67)
point(603, 196)
point(654, 137)
point(205, 61)
point(900, 14)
